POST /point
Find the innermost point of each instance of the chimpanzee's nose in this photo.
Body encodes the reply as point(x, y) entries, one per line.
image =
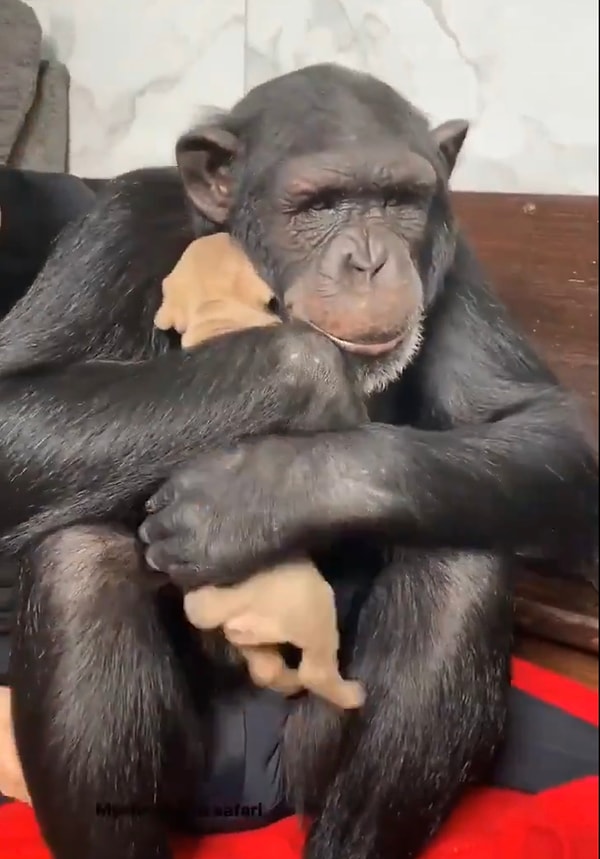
point(368, 253)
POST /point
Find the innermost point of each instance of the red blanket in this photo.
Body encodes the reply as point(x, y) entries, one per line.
point(490, 824)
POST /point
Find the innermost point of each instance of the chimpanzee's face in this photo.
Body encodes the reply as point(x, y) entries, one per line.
point(346, 220)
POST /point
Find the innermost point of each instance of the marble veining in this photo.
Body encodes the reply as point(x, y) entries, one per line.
point(525, 72)
point(140, 72)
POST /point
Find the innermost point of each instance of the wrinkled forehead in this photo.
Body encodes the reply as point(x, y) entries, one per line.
point(356, 164)
point(334, 123)
point(315, 120)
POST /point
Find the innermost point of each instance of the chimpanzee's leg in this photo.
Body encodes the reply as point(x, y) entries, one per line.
point(432, 649)
point(100, 700)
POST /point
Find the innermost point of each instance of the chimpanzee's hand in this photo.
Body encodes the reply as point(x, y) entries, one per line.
point(229, 512)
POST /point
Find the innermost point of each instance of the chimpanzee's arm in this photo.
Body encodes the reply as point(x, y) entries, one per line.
point(496, 460)
point(93, 438)
point(93, 416)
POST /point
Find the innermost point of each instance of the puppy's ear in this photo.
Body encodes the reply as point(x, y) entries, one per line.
point(204, 158)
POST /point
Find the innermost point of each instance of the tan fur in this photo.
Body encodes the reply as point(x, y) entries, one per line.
point(290, 603)
point(215, 290)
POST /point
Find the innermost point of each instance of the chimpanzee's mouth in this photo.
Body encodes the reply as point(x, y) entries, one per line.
point(371, 350)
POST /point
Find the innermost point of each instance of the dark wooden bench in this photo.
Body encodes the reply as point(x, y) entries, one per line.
point(541, 253)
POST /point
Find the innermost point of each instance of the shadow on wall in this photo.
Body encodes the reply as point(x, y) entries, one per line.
point(34, 95)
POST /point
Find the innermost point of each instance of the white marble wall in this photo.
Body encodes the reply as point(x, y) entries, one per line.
point(524, 71)
point(140, 70)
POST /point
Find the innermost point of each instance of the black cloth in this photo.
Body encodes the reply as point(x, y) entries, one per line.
point(34, 208)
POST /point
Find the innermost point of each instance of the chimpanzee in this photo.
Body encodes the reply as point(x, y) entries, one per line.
point(252, 448)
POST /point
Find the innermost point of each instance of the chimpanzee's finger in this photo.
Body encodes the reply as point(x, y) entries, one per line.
point(191, 478)
point(184, 517)
point(167, 493)
point(152, 530)
point(167, 555)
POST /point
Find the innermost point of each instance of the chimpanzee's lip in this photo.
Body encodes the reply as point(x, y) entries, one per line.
point(369, 349)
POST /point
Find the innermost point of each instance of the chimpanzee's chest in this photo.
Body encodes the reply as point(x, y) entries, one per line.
point(394, 406)
point(351, 564)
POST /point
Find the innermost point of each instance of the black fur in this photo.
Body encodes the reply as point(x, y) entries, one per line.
point(473, 456)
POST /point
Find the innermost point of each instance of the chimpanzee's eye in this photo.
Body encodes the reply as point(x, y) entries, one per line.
point(405, 198)
point(397, 198)
point(392, 201)
point(325, 201)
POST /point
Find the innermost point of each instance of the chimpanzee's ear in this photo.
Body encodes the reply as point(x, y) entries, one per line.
point(450, 137)
point(204, 158)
